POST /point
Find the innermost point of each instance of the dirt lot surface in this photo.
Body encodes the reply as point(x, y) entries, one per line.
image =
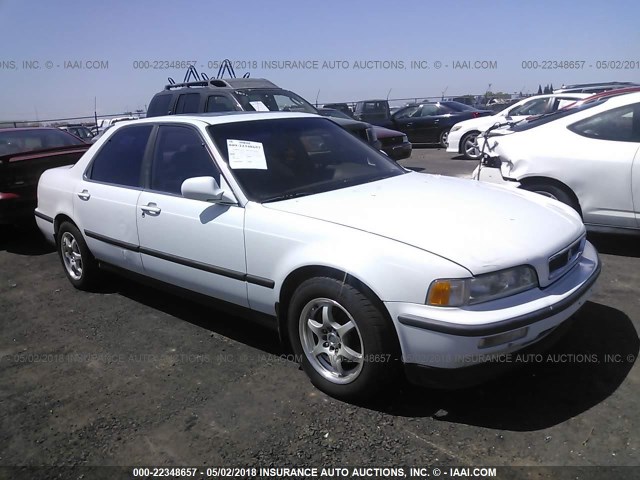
point(132, 376)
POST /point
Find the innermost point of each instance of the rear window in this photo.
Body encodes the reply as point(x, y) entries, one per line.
point(550, 117)
point(19, 141)
point(160, 105)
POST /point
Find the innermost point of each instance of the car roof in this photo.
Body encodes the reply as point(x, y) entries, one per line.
point(219, 117)
point(216, 84)
point(21, 129)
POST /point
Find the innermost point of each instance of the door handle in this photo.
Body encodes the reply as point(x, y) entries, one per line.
point(436, 121)
point(150, 208)
point(409, 124)
point(84, 195)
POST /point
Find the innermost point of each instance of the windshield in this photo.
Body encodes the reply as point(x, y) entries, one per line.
point(277, 159)
point(536, 121)
point(81, 132)
point(274, 100)
point(20, 141)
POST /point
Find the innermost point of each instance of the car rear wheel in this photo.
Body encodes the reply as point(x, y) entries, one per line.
point(553, 191)
point(470, 147)
point(444, 138)
point(78, 263)
point(347, 346)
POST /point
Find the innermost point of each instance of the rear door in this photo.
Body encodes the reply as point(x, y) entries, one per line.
point(193, 244)
point(106, 198)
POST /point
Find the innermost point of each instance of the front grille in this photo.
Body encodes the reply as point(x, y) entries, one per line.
point(561, 262)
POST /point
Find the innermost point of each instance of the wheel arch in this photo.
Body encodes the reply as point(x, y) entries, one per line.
point(300, 274)
point(526, 181)
point(59, 220)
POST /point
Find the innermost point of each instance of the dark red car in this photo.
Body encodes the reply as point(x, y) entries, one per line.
point(24, 154)
point(395, 144)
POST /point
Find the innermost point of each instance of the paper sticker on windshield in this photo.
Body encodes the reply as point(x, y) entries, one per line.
point(244, 154)
point(259, 106)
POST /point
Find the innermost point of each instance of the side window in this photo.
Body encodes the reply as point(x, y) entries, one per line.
point(179, 154)
point(534, 107)
point(429, 110)
point(620, 124)
point(120, 159)
point(220, 103)
point(188, 103)
point(443, 110)
point(160, 105)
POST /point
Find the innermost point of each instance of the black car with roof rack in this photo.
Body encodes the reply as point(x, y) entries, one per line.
point(242, 94)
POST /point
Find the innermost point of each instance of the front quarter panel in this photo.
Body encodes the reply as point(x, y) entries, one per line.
point(278, 243)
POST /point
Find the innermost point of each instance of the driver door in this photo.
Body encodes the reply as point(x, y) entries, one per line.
point(194, 244)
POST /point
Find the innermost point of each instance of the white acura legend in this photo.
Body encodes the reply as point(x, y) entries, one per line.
point(363, 267)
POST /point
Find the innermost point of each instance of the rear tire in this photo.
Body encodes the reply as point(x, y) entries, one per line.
point(77, 261)
point(553, 191)
point(346, 344)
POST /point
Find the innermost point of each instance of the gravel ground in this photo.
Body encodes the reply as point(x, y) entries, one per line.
point(132, 376)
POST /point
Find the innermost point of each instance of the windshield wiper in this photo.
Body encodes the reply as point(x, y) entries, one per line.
point(287, 196)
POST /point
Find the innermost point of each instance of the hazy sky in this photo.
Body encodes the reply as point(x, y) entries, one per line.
point(116, 33)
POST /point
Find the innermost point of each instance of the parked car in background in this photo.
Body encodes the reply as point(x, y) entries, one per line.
point(587, 157)
point(242, 94)
point(372, 111)
point(395, 144)
point(291, 218)
point(341, 107)
point(105, 123)
point(594, 87)
point(81, 131)
point(429, 123)
point(24, 154)
point(463, 135)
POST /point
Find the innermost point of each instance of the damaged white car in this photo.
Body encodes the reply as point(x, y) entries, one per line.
point(587, 157)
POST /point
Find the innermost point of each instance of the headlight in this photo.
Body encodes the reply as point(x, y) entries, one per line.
point(455, 128)
point(405, 139)
point(491, 286)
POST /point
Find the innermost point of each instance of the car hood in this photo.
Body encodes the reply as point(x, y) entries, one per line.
point(382, 132)
point(477, 225)
point(481, 123)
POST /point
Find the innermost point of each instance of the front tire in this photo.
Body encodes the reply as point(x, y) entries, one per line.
point(469, 144)
point(347, 346)
point(77, 261)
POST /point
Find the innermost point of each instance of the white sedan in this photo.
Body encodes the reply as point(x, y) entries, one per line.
point(463, 135)
point(587, 157)
point(363, 267)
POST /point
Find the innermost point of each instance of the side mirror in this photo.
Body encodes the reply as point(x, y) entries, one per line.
point(207, 189)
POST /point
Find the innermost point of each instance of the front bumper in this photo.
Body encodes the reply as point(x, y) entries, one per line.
point(398, 152)
point(453, 142)
point(455, 339)
point(488, 174)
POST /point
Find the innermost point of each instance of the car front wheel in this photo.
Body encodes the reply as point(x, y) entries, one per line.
point(470, 148)
point(79, 265)
point(347, 346)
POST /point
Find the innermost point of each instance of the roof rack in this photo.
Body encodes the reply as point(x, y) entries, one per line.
point(203, 80)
